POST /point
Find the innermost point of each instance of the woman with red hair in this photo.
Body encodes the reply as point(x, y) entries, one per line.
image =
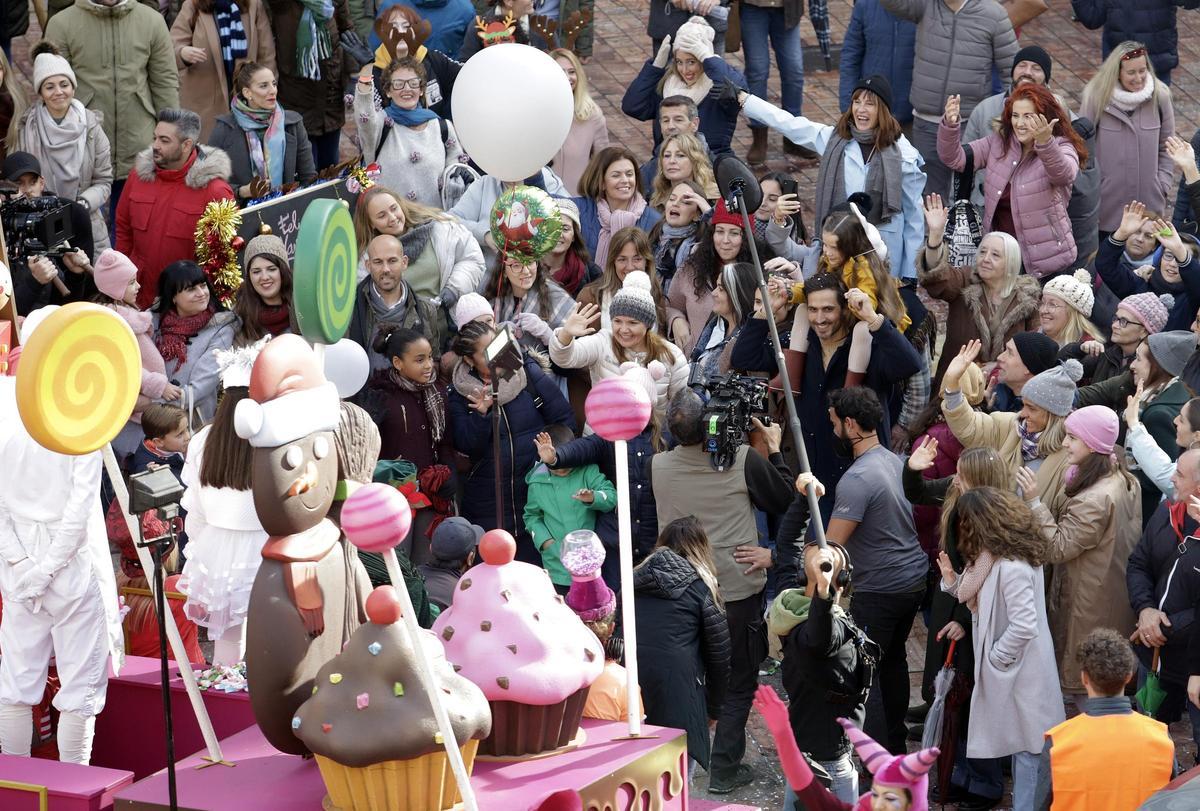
point(1030, 165)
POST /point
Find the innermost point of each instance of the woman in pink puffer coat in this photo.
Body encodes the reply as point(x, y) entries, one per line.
point(1030, 165)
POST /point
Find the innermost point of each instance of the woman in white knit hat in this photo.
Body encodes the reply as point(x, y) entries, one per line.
point(1066, 309)
point(67, 140)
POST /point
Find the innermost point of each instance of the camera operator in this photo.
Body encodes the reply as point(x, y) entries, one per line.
point(684, 483)
point(39, 280)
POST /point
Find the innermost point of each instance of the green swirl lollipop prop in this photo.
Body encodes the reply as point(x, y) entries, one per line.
point(325, 273)
point(525, 223)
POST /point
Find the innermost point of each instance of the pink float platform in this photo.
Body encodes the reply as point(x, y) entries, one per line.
point(606, 771)
point(30, 784)
point(130, 733)
point(710, 805)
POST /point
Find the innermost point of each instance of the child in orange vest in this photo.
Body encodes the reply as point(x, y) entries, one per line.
point(1110, 758)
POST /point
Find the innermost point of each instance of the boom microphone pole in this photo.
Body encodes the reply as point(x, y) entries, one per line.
point(742, 192)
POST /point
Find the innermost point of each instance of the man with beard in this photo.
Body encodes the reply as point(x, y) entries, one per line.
point(872, 518)
point(167, 191)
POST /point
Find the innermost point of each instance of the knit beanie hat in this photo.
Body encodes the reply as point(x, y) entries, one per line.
point(46, 65)
point(469, 307)
point(1037, 351)
point(723, 216)
point(879, 85)
point(113, 272)
point(696, 26)
point(1054, 389)
point(1150, 310)
point(264, 245)
point(1096, 426)
point(634, 299)
point(568, 209)
point(1171, 350)
point(900, 771)
point(589, 596)
point(1036, 54)
point(1075, 289)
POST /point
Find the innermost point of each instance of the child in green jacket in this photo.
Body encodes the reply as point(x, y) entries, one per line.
point(562, 501)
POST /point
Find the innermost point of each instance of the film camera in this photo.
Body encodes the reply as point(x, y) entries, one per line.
point(733, 401)
point(36, 226)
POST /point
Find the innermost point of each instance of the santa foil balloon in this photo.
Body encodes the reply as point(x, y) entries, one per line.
point(525, 223)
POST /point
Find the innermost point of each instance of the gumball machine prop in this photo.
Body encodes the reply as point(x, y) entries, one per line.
point(375, 519)
point(618, 409)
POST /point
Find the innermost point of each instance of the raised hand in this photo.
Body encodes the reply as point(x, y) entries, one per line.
point(936, 217)
point(1133, 215)
point(1181, 153)
point(1133, 405)
point(923, 455)
point(1168, 237)
point(949, 576)
point(664, 53)
point(1043, 130)
point(860, 304)
point(579, 322)
point(785, 206)
point(1027, 481)
point(545, 448)
point(965, 357)
point(950, 115)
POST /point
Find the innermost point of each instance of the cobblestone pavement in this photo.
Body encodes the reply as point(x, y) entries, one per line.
point(621, 47)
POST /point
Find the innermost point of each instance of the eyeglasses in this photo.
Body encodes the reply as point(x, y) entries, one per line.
point(1134, 54)
point(1122, 322)
point(1052, 306)
point(400, 84)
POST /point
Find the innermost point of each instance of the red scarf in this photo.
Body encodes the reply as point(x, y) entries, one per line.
point(174, 332)
point(1178, 513)
point(274, 319)
point(570, 275)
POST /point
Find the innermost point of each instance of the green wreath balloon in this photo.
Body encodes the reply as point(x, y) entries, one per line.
point(525, 223)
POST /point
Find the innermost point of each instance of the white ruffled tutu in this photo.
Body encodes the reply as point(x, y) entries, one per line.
point(218, 576)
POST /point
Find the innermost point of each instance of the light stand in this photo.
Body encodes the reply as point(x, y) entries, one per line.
point(504, 359)
point(158, 489)
point(733, 179)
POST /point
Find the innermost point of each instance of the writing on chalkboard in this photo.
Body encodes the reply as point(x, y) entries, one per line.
point(282, 215)
point(289, 224)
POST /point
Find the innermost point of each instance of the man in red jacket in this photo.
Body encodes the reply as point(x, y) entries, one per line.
point(168, 189)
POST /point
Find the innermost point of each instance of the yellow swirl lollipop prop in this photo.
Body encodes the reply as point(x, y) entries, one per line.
point(326, 272)
point(78, 379)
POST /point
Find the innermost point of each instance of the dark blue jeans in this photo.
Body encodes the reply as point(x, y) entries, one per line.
point(760, 25)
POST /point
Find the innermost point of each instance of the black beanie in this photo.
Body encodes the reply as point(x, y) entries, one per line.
point(1036, 54)
point(878, 85)
point(1038, 352)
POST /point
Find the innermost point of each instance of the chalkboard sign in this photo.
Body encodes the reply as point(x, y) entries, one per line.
point(283, 214)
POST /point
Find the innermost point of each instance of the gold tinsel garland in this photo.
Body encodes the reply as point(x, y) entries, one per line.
point(217, 244)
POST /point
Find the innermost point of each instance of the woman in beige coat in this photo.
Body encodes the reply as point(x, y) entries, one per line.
point(205, 78)
point(1090, 538)
point(1033, 437)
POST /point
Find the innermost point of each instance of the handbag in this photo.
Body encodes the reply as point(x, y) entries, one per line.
point(964, 231)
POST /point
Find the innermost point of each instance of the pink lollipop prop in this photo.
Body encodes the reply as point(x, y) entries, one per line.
point(376, 518)
point(618, 409)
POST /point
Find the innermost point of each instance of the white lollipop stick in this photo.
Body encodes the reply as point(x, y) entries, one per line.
point(457, 765)
point(628, 615)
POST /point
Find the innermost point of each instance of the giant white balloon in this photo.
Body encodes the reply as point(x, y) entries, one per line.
point(512, 109)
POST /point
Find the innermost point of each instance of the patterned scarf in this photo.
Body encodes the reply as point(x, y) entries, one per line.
point(174, 332)
point(613, 221)
point(231, 35)
point(435, 406)
point(666, 250)
point(312, 37)
point(967, 587)
point(265, 139)
point(1029, 441)
point(468, 385)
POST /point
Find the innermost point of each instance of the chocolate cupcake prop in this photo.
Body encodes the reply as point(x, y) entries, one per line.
point(370, 719)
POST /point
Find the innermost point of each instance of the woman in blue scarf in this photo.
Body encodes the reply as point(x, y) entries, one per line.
point(268, 146)
point(409, 142)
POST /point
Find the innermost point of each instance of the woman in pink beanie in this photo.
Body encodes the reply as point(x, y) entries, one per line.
point(116, 279)
point(1090, 538)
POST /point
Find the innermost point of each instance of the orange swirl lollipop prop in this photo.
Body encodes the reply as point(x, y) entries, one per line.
point(78, 379)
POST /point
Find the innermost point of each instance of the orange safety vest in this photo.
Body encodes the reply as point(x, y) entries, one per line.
point(1108, 762)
